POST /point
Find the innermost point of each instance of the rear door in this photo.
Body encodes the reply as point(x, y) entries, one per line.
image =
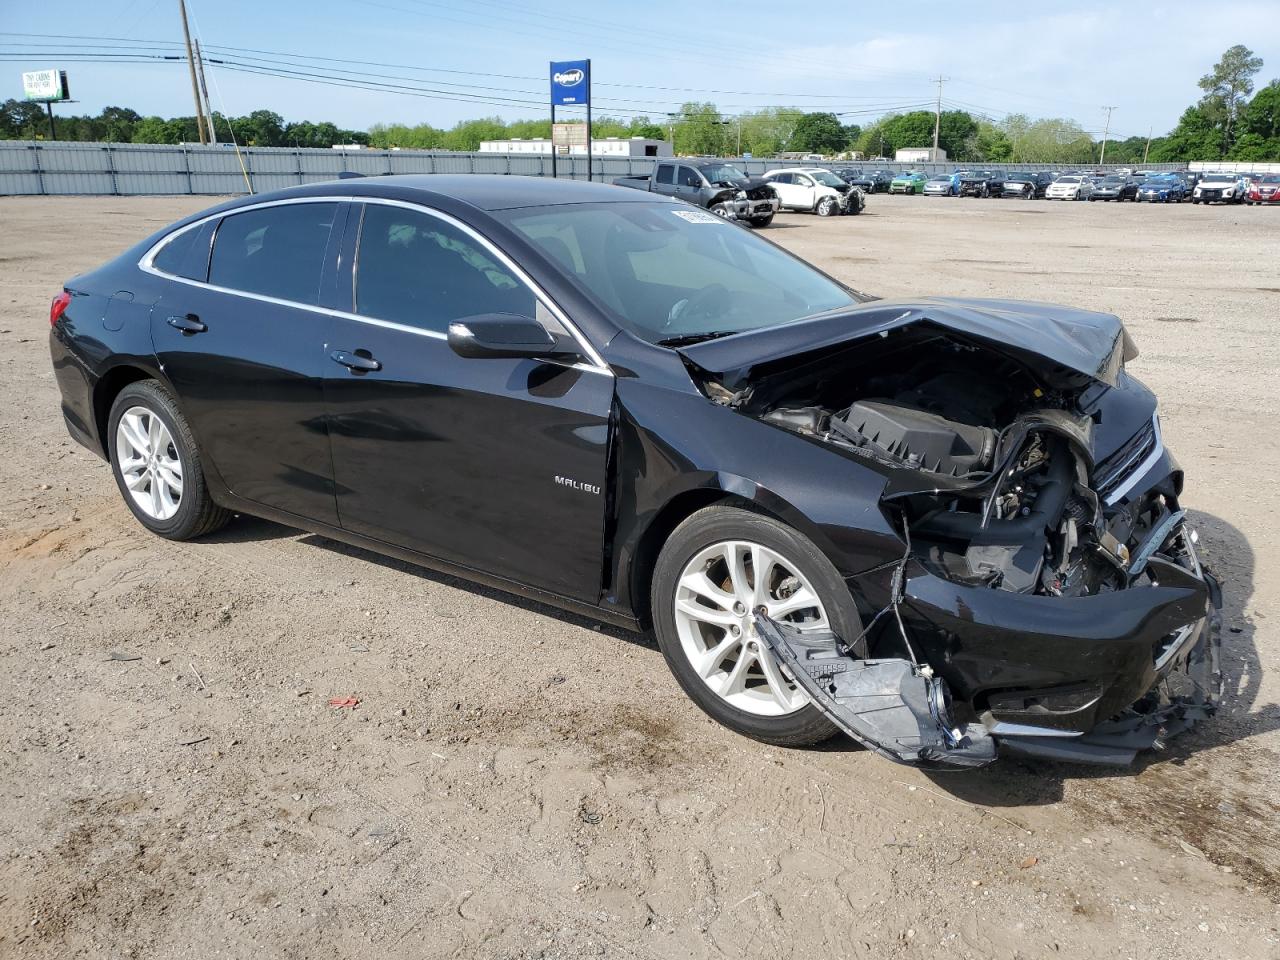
point(496, 464)
point(245, 351)
point(784, 185)
point(664, 179)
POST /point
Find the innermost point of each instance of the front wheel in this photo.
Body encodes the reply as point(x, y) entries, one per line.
point(762, 221)
point(722, 210)
point(156, 464)
point(827, 207)
point(717, 568)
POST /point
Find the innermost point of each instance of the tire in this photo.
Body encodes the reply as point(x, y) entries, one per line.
point(761, 222)
point(756, 711)
point(827, 207)
point(153, 421)
point(722, 211)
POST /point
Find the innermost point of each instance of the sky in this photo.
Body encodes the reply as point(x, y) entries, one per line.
point(454, 59)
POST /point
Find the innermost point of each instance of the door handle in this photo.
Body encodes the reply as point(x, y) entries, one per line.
point(354, 362)
point(189, 323)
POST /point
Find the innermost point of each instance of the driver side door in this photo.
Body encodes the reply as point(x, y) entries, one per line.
point(497, 464)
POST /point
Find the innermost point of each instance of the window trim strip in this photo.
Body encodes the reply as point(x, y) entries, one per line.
point(146, 264)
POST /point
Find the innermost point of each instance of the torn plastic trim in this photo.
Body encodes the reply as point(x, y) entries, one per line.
point(893, 707)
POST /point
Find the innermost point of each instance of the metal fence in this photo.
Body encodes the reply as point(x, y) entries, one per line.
point(135, 169)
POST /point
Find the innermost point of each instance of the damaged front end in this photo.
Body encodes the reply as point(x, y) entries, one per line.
point(1049, 599)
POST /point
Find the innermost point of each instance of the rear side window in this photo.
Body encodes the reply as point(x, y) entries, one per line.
point(781, 178)
point(187, 254)
point(666, 173)
point(416, 269)
point(276, 251)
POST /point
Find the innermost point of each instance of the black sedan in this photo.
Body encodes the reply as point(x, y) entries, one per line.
point(1026, 186)
point(871, 181)
point(946, 527)
point(1115, 188)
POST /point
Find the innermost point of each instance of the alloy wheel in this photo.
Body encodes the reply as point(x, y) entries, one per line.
point(717, 595)
point(149, 463)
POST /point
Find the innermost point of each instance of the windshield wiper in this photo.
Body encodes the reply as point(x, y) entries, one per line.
point(685, 339)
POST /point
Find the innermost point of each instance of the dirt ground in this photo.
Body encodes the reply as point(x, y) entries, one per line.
point(517, 782)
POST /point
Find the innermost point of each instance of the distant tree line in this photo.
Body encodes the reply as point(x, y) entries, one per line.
point(1229, 122)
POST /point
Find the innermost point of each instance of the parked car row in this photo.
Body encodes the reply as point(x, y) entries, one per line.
point(1153, 186)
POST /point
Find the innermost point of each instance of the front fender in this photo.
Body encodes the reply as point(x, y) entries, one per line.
point(679, 448)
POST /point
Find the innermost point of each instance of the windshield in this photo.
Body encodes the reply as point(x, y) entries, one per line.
point(945, 178)
point(830, 179)
point(1068, 180)
point(1019, 178)
point(667, 271)
point(1113, 181)
point(723, 173)
point(1270, 178)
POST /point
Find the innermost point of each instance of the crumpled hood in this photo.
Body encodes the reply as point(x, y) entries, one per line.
point(1066, 347)
point(746, 183)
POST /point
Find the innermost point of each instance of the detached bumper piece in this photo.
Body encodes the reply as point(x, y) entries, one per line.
point(1188, 690)
point(890, 706)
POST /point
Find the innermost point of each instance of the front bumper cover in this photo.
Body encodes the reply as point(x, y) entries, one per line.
point(1092, 679)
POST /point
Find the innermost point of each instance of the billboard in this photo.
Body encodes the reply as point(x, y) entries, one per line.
point(571, 83)
point(45, 85)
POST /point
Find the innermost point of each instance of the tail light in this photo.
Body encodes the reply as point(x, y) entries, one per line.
point(58, 307)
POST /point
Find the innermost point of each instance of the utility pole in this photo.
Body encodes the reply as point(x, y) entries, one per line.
point(1147, 148)
point(191, 63)
point(937, 119)
point(204, 91)
point(1105, 131)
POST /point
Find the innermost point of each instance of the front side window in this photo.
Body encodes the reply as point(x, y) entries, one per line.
point(275, 251)
point(689, 177)
point(419, 270)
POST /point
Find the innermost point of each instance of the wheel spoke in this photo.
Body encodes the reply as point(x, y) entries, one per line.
point(778, 686)
point(737, 680)
point(171, 478)
point(135, 478)
point(700, 584)
point(735, 558)
point(711, 661)
point(155, 431)
point(705, 614)
point(157, 503)
point(802, 599)
point(134, 434)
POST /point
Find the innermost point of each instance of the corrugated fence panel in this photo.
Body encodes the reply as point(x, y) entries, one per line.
point(28, 167)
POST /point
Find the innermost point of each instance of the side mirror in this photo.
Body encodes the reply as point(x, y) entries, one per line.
point(495, 335)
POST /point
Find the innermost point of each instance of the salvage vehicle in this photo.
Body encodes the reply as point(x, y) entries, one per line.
point(1162, 188)
point(943, 185)
point(1070, 188)
point(1118, 188)
point(948, 527)
point(1025, 186)
point(869, 181)
point(980, 183)
point(1264, 188)
point(713, 184)
point(908, 183)
point(815, 190)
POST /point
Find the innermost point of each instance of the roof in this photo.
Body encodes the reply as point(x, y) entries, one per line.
point(484, 191)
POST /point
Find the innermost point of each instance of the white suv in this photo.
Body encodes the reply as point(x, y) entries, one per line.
point(815, 189)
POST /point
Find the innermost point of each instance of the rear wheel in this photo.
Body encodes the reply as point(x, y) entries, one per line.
point(717, 568)
point(156, 464)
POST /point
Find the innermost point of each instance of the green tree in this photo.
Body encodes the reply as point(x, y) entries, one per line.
point(992, 144)
point(1227, 88)
point(1262, 115)
point(467, 135)
point(700, 131)
point(1196, 137)
point(818, 133)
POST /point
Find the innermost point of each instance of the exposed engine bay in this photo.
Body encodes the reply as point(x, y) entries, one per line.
point(1002, 495)
point(1047, 598)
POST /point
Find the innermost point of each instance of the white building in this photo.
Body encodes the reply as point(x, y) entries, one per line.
point(920, 155)
point(608, 147)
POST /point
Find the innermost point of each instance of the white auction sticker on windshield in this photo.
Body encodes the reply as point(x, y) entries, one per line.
point(697, 216)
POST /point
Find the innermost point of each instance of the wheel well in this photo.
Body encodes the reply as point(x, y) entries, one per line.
point(105, 393)
point(674, 513)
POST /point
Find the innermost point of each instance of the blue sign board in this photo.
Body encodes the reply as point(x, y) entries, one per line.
point(571, 83)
